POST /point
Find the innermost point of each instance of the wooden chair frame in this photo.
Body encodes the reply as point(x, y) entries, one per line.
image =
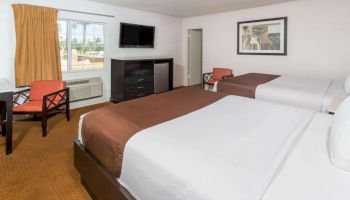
point(50, 105)
point(209, 76)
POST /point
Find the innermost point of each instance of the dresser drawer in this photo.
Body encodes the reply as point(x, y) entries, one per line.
point(134, 95)
point(145, 87)
point(131, 81)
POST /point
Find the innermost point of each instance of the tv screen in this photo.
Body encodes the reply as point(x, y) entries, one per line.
point(136, 36)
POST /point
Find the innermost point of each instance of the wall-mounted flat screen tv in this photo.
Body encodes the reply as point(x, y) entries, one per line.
point(136, 36)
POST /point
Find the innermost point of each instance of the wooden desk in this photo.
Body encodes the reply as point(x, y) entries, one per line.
point(6, 118)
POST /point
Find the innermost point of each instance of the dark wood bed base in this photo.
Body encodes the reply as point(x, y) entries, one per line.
point(98, 182)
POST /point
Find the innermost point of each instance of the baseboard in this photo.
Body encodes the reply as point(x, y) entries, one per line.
point(179, 87)
point(89, 102)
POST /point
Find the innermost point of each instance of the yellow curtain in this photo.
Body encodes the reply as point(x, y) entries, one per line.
point(37, 44)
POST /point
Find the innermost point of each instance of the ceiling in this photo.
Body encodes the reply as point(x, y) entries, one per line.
point(190, 8)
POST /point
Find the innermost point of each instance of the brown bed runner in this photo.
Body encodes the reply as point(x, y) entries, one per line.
point(106, 131)
point(244, 85)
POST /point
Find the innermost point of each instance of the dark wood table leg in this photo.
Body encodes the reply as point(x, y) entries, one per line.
point(6, 117)
point(3, 117)
point(9, 121)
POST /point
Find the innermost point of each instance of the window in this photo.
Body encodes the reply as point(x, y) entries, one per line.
point(81, 45)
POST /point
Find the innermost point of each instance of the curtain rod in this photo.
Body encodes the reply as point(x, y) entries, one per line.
point(88, 13)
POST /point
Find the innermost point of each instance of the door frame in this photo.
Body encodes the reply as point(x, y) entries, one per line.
point(189, 55)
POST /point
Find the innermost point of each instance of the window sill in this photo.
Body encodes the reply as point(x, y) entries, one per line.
point(84, 71)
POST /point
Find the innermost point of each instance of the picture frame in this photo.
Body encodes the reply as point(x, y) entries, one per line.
point(262, 37)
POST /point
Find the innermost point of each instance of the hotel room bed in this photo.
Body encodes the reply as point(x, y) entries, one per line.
point(104, 132)
point(209, 147)
point(314, 94)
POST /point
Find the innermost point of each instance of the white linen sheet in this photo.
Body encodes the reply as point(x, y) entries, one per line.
point(308, 173)
point(301, 92)
point(336, 89)
point(80, 137)
point(230, 149)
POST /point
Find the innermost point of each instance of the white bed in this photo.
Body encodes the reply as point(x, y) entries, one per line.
point(213, 153)
point(236, 148)
point(309, 93)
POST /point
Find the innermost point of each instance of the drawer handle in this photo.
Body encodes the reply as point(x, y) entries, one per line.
point(141, 79)
point(140, 95)
point(140, 87)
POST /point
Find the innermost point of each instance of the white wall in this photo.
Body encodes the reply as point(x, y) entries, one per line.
point(318, 44)
point(167, 42)
point(318, 39)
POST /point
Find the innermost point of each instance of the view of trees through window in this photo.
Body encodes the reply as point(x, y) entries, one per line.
point(81, 45)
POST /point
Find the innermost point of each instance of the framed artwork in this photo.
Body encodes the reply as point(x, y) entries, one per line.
point(262, 37)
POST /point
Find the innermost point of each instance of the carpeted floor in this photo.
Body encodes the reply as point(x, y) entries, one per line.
point(42, 168)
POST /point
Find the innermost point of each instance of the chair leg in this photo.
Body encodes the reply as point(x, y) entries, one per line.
point(44, 124)
point(68, 114)
point(67, 111)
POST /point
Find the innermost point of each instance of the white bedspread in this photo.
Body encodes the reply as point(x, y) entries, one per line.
point(301, 92)
point(230, 149)
point(308, 173)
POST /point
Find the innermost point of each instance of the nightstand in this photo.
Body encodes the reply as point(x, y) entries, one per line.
point(336, 101)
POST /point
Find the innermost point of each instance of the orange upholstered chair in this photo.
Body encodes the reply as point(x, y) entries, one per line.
point(43, 98)
point(217, 75)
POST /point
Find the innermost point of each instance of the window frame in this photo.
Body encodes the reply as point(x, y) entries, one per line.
point(69, 45)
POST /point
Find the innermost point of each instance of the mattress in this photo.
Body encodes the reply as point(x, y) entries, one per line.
point(105, 131)
point(230, 149)
point(309, 174)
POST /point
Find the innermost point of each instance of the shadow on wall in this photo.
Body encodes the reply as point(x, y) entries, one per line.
point(179, 78)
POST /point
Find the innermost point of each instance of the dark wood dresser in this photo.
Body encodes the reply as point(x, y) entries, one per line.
point(138, 77)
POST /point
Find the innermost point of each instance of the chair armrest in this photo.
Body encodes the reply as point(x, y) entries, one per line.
point(50, 100)
point(207, 76)
point(20, 95)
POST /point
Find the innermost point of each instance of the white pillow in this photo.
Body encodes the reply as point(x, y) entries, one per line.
point(340, 136)
point(347, 84)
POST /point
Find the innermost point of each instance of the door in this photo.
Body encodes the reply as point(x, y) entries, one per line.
point(195, 57)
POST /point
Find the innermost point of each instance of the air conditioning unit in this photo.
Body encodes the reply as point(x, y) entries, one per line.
point(80, 89)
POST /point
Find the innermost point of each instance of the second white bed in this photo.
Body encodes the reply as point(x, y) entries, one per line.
point(309, 93)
